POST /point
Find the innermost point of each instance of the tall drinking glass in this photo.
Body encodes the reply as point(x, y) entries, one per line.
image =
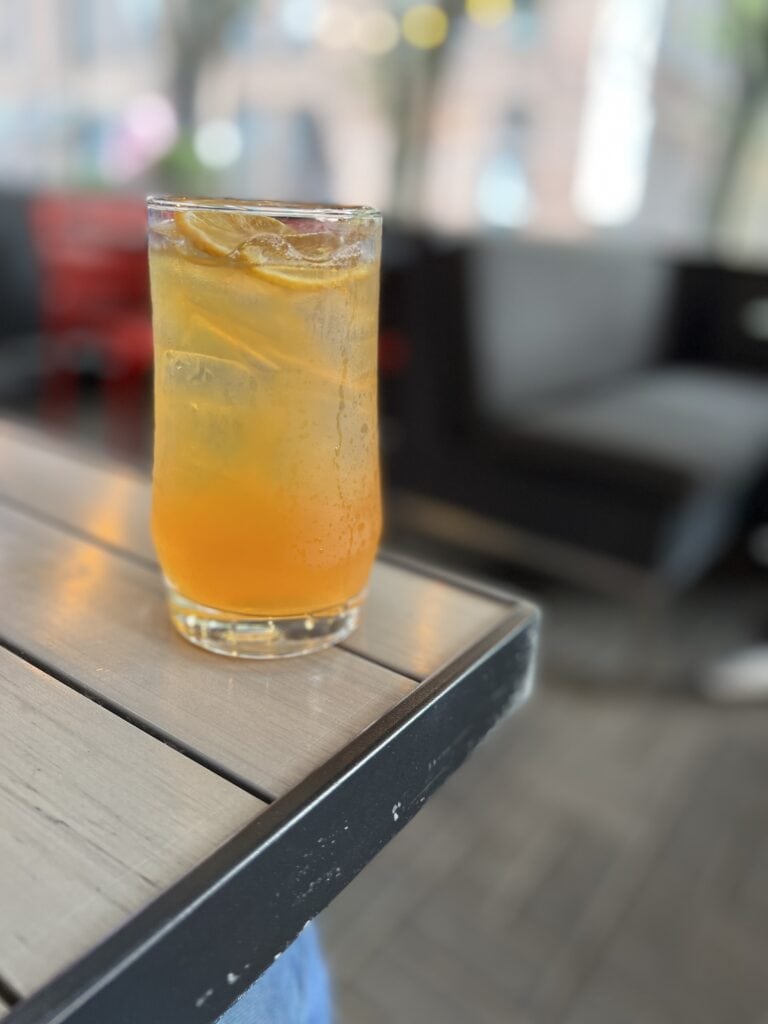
point(266, 498)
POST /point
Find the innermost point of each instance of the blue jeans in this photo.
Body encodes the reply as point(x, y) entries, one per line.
point(294, 990)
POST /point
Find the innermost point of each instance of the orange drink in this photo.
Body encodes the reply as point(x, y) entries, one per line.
point(266, 499)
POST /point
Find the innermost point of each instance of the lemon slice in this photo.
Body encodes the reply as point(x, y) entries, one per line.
point(220, 233)
point(294, 275)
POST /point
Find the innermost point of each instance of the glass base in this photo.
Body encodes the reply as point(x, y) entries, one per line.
point(245, 636)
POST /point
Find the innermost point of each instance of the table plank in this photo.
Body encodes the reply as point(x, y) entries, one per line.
point(411, 623)
point(98, 818)
point(419, 624)
point(101, 620)
point(92, 495)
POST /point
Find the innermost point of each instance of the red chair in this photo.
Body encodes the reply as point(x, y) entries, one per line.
point(95, 301)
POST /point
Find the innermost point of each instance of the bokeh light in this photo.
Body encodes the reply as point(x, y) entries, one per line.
point(377, 32)
point(300, 19)
point(145, 131)
point(151, 119)
point(218, 143)
point(489, 13)
point(425, 26)
point(337, 26)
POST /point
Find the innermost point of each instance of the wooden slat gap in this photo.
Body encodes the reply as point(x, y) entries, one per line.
point(405, 673)
point(137, 722)
point(63, 526)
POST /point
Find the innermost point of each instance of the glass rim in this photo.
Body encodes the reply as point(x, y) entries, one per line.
point(264, 207)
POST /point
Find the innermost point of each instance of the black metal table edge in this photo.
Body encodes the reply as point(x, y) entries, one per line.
point(188, 955)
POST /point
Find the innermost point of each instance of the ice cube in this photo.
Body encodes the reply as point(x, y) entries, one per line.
point(317, 247)
point(243, 346)
point(267, 249)
point(207, 379)
point(205, 413)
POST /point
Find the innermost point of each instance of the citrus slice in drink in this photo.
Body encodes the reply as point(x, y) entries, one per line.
point(300, 275)
point(221, 233)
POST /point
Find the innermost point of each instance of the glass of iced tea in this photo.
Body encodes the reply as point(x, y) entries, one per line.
point(266, 497)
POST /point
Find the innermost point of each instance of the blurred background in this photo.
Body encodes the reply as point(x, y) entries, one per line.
point(574, 398)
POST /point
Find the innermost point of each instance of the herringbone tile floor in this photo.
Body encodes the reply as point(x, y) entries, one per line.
point(601, 859)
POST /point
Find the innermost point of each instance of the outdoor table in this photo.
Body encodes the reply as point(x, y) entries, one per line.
point(170, 819)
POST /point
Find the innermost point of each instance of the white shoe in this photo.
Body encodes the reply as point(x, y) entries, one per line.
point(739, 677)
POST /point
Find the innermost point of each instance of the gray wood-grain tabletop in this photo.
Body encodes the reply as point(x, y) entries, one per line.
point(126, 755)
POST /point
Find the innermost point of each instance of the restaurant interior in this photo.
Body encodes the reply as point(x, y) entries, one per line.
point(573, 367)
